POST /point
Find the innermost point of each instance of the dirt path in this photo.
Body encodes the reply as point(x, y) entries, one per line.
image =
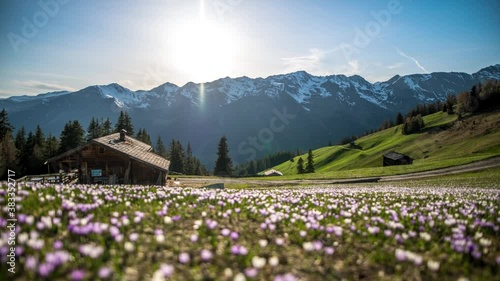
point(476, 166)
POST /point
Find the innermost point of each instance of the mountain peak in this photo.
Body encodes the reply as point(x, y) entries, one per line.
point(165, 88)
point(490, 72)
point(114, 86)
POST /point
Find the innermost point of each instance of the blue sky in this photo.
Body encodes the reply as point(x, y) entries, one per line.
point(50, 45)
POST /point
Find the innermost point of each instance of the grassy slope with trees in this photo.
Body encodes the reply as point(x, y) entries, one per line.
point(443, 142)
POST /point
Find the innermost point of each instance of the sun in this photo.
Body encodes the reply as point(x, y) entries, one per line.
point(203, 50)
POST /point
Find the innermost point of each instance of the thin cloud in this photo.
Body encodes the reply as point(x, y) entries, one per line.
point(412, 59)
point(51, 75)
point(322, 62)
point(352, 68)
point(5, 94)
point(396, 65)
point(312, 62)
point(43, 86)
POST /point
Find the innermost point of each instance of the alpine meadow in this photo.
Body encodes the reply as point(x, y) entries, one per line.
point(249, 140)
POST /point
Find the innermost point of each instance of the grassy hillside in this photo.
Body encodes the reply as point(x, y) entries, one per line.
point(442, 143)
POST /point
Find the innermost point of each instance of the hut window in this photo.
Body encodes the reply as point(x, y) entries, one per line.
point(101, 150)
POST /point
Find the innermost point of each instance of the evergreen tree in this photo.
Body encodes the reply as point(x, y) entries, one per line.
point(37, 160)
point(450, 101)
point(71, 136)
point(176, 154)
point(160, 147)
point(399, 119)
point(8, 153)
point(39, 138)
point(5, 126)
point(252, 168)
point(189, 163)
point(120, 122)
point(94, 130)
point(310, 162)
point(22, 153)
point(139, 135)
point(21, 138)
point(143, 136)
point(124, 122)
point(146, 137)
point(106, 127)
point(223, 164)
point(51, 148)
point(34, 151)
point(197, 167)
point(300, 166)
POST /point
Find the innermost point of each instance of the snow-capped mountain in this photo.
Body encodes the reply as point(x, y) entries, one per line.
point(325, 108)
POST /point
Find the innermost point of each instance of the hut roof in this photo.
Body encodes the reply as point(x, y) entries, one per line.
point(394, 155)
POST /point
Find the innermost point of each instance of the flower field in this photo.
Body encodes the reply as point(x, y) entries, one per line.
point(84, 232)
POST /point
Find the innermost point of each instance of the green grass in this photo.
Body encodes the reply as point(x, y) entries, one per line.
point(442, 143)
point(488, 178)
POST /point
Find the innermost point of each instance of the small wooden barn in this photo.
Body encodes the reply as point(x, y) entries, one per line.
point(394, 158)
point(114, 159)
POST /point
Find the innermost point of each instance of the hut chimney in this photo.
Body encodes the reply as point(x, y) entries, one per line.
point(123, 133)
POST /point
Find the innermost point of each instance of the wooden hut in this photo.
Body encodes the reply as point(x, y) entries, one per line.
point(394, 158)
point(114, 159)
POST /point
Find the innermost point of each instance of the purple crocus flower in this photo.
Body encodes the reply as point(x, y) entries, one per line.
point(21, 218)
point(206, 255)
point(193, 238)
point(133, 237)
point(234, 235)
point(329, 251)
point(400, 255)
point(184, 258)
point(317, 245)
point(114, 231)
point(45, 269)
point(251, 272)
point(285, 277)
point(239, 250)
point(104, 272)
point(77, 275)
point(167, 270)
point(31, 262)
point(57, 245)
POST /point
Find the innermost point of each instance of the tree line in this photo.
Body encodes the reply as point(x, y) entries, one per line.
point(181, 162)
point(26, 152)
point(253, 167)
point(481, 97)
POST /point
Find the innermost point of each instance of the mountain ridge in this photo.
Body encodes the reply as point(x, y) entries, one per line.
point(326, 108)
point(489, 72)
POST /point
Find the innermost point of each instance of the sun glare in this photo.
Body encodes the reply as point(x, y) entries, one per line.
point(203, 50)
